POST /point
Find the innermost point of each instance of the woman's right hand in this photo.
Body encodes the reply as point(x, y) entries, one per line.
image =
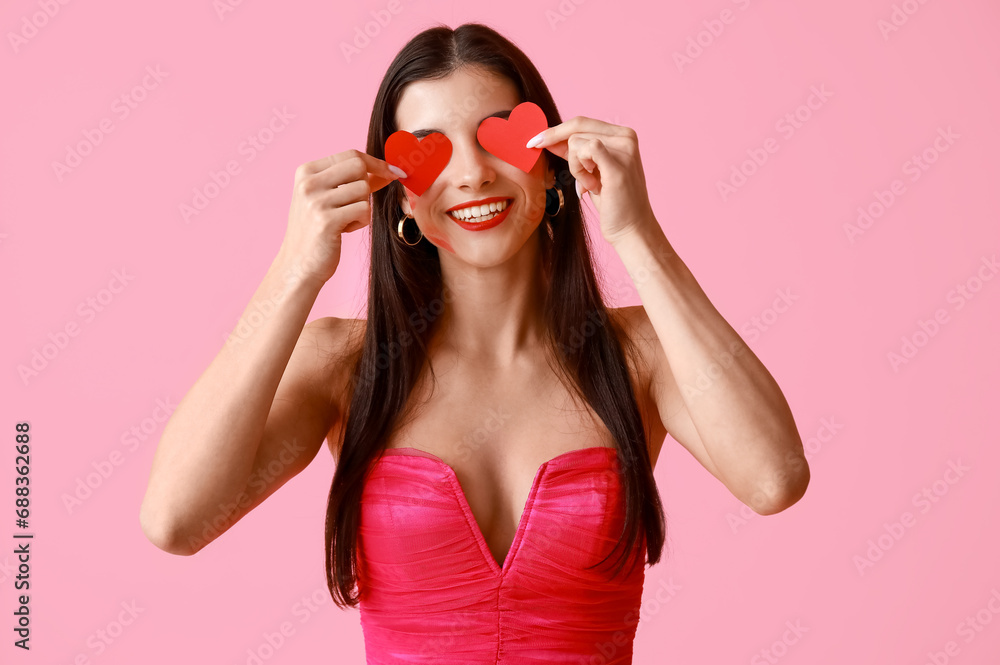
point(330, 197)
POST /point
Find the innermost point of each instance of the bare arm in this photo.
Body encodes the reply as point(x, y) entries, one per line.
point(255, 418)
point(259, 413)
point(713, 394)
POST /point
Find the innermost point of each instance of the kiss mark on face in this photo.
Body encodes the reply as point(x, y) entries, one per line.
point(440, 242)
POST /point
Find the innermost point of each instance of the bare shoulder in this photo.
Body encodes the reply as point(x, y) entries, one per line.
point(338, 343)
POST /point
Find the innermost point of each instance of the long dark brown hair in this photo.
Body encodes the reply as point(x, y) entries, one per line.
point(406, 299)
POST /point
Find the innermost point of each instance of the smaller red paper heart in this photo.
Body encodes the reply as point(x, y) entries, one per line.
point(422, 160)
point(506, 138)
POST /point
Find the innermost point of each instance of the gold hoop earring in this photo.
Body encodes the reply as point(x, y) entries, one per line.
point(554, 201)
point(399, 231)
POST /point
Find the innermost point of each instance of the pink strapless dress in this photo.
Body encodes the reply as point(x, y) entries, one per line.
point(431, 591)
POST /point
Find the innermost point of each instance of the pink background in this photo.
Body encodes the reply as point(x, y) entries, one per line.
point(731, 590)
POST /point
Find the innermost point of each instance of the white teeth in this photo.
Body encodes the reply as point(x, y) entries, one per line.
point(479, 210)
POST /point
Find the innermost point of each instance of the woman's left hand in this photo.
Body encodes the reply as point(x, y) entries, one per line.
point(604, 159)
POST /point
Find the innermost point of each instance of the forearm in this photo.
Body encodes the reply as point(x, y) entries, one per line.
point(734, 403)
point(206, 452)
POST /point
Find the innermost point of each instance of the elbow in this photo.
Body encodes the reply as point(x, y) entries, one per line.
point(165, 535)
point(784, 489)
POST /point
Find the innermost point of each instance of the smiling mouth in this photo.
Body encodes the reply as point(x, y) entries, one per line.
point(479, 213)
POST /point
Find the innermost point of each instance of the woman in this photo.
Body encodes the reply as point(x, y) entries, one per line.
point(494, 425)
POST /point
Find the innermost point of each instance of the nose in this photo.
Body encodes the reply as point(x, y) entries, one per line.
point(470, 166)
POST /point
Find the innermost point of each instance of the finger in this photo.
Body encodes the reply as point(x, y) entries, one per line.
point(351, 169)
point(359, 211)
point(617, 144)
point(372, 165)
point(564, 130)
point(558, 149)
point(607, 163)
point(354, 226)
point(622, 144)
point(584, 179)
point(583, 151)
point(377, 182)
point(356, 190)
point(381, 169)
point(338, 172)
point(323, 163)
point(589, 159)
point(381, 172)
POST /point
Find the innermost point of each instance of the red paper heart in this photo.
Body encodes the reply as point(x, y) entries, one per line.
point(422, 160)
point(506, 138)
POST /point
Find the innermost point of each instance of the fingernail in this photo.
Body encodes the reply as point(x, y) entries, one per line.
point(579, 194)
point(398, 171)
point(534, 140)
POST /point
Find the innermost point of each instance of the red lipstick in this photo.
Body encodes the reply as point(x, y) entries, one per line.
point(488, 224)
point(480, 202)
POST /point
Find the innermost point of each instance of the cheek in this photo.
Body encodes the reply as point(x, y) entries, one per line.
point(536, 201)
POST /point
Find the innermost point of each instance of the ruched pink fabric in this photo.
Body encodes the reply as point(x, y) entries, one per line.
point(430, 591)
